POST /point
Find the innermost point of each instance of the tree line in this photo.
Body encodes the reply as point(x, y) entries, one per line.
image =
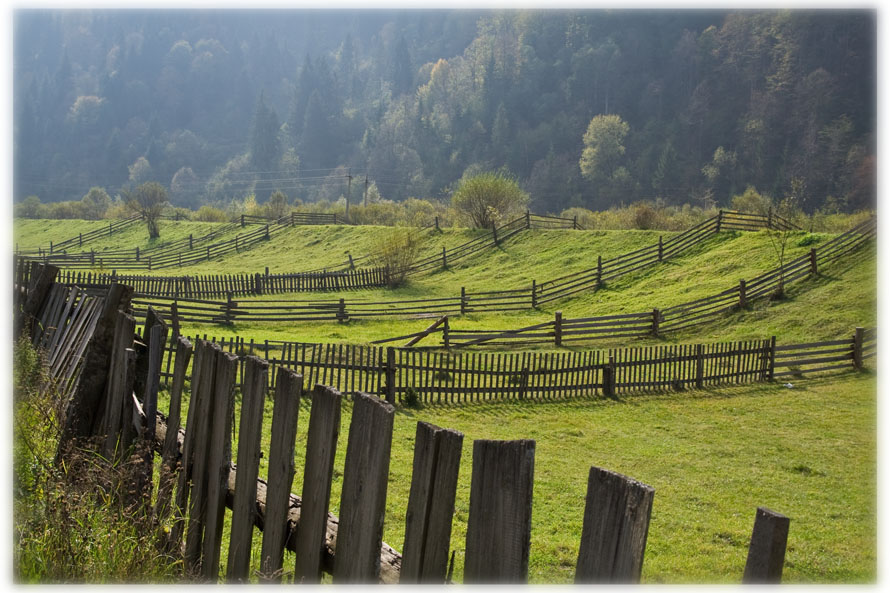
point(585, 109)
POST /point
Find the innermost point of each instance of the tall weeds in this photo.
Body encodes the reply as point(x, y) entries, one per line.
point(78, 521)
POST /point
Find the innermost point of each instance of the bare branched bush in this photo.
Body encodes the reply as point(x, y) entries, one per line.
point(396, 253)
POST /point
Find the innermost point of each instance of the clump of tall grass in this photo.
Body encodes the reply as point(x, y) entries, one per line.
point(75, 521)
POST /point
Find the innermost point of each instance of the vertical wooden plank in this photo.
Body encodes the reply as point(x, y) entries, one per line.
point(363, 497)
point(197, 435)
point(281, 471)
point(766, 553)
point(171, 439)
point(256, 380)
point(321, 446)
point(219, 461)
point(616, 524)
point(499, 523)
point(431, 504)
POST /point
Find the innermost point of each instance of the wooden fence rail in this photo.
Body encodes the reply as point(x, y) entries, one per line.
point(443, 377)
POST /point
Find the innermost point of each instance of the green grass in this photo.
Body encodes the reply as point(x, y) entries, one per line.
point(713, 456)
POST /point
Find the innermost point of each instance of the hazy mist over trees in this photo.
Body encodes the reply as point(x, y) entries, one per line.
point(582, 108)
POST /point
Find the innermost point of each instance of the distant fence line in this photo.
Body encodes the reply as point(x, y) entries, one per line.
point(186, 289)
point(558, 331)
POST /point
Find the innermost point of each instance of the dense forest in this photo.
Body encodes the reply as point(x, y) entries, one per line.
point(583, 108)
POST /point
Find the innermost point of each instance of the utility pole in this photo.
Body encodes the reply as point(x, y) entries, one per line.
point(348, 190)
point(365, 200)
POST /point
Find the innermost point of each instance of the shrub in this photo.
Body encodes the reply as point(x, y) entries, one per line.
point(488, 198)
point(210, 214)
point(396, 253)
point(411, 399)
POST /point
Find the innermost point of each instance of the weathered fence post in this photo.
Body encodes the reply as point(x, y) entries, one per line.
point(445, 330)
point(191, 241)
point(575, 222)
point(814, 269)
point(463, 300)
point(219, 459)
point(351, 263)
point(437, 223)
point(743, 297)
point(599, 271)
point(137, 253)
point(321, 446)
point(341, 311)
point(769, 218)
point(431, 504)
point(156, 345)
point(499, 523)
point(242, 220)
point(229, 306)
point(534, 294)
point(363, 498)
point(660, 248)
point(494, 232)
point(256, 379)
point(288, 387)
point(719, 219)
point(390, 375)
point(444, 258)
point(528, 219)
point(267, 232)
point(609, 378)
point(557, 329)
point(857, 348)
point(699, 366)
point(771, 369)
point(616, 525)
point(523, 382)
point(171, 438)
point(766, 553)
point(656, 317)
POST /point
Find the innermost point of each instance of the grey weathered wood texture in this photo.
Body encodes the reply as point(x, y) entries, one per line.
point(38, 289)
point(200, 428)
point(363, 496)
point(115, 386)
point(85, 408)
point(288, 389)
point(152, 319)
point(431, 504)
point(616, 524)
point(253, 396)
point(171, 446)
point(499, 524)
point(321, 447)
point(766, 553)
point(219, 458)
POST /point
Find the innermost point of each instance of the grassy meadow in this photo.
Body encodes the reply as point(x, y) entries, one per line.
point(712, 455)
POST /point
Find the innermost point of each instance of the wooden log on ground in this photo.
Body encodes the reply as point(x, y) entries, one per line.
point(616, 524)
point(390, 558)
point(499, 524)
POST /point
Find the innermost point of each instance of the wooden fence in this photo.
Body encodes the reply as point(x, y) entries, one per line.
point(214, 285)
point(115, 410)
point(201, 460)
point(81, 238)
point(457, 376)
point(558, 331)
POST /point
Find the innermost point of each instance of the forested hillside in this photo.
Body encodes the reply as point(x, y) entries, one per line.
point(584, 108)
